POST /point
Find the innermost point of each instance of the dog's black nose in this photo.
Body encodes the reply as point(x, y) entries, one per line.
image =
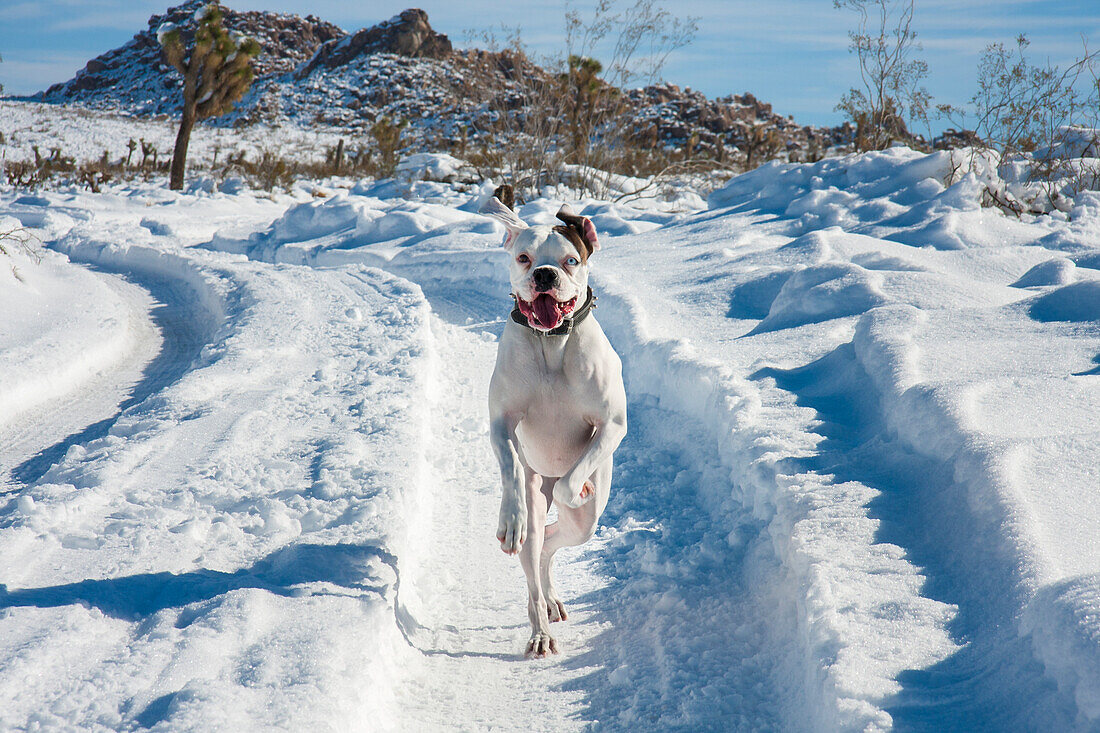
point(544, 278)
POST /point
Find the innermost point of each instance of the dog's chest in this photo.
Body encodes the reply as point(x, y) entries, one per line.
point(554, 382)
point(558, 397)
point(555, 428)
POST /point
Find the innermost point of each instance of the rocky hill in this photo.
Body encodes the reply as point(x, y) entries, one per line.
point(313, 73)
point(134, 78)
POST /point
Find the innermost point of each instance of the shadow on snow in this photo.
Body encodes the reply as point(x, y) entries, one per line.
point(993, 682)
point(282, 573)
point(691, 643)
point(182, 344)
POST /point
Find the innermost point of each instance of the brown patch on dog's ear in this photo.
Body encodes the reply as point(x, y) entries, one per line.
point(506, 196)
point(582, 227)
point(574, 238)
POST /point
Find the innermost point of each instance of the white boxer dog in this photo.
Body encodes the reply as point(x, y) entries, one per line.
point(557, 406)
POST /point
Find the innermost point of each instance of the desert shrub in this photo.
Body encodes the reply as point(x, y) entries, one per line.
point(1036, 117)
point(44, 168)
point(387, 138)
point(564, 120)
point(886, 48)
point(518, 136)
point(268, 169)
point(1021, 107)
point(94, 174)
point(761, 143)
point(148, 150)
point(23, 174)
point(54, 167)
point(17, 238)
point(640, 37)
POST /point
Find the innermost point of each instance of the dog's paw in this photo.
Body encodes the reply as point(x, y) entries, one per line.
point(540, 645)
point(563, 494)
point(555, 609)
point(512, 529)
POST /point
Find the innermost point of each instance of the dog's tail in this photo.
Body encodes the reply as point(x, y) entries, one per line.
point(506, 196)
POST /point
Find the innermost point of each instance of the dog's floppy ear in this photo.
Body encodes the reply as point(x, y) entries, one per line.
point(502, 212)
point(506, 194)
point(582, 225)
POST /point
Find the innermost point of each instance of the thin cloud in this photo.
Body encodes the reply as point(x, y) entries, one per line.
point(22, 77)
point(22, 11)
point(105, 20)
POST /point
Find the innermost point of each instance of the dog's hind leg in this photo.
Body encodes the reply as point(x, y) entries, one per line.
point(541, 643)
point(555, 609)
point(574, 527)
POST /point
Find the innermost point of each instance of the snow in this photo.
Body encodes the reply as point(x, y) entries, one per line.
point(434, 167)
point(164, 29)
point(26, 124)
point(247, 482)
point(183, 515)
point(61, 326)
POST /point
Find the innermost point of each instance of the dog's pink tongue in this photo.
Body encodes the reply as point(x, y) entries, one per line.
point(546, 310)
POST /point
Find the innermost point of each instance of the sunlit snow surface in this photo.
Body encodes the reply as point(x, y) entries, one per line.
point(246, 480)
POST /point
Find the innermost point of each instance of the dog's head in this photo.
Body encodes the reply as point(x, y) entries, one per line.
point(549, 265)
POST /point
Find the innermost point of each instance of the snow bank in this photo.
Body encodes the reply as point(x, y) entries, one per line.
point(61, 325)
point(869, 402)
point(189, 554)
point(1073, 302)
point(883, 301)
point(839, 578)
point(821, 293)
point(435, 167)
point(1065, 628)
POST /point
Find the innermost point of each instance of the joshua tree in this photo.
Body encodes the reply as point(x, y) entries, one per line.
point(217, 71)
point(387, 135)
point(583, 92)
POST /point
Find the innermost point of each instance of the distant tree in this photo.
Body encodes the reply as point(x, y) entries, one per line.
point(885, 45)
point(217, 71)
point(578, 114)
point(387, 136)
point(761, 143)
point(583, 93)
point(635, 37)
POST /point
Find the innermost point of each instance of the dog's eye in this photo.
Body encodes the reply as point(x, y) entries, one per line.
point(572, 262)
point(523, 259)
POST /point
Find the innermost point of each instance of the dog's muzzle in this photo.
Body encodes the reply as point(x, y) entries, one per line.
point(544, 278)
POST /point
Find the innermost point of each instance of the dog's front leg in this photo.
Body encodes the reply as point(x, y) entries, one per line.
point(541, 642)
point(512, 524)
point(574, 489)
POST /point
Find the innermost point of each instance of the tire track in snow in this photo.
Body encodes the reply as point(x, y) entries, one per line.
point(469, 596)
point(166, 341)
point(668, 626)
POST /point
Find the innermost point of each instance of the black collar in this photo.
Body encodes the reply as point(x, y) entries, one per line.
point(567, 324)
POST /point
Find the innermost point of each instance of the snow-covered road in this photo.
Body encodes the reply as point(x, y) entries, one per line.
point(249, 485)
point(470, 606)
point(164, 344)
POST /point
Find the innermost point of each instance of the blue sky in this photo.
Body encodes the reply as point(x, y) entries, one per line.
point(791, 53)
